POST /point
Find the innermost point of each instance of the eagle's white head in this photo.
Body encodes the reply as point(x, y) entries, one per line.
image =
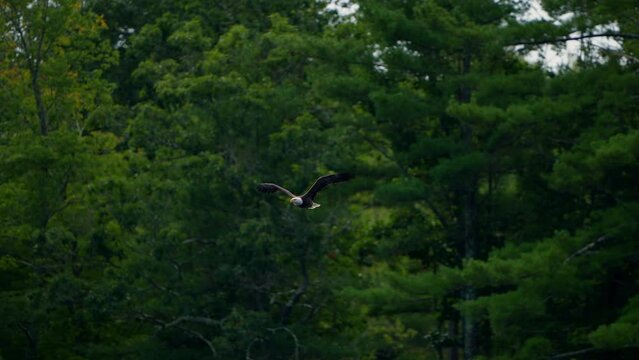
point(297, 201)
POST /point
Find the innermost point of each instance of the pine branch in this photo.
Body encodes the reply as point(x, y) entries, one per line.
point(440, 216)
point(384, 153)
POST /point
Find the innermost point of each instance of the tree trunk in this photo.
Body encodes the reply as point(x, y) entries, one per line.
point(468, 294)
point(469, 215)
point(31, 350)
point(43, 116)
point(453, 354)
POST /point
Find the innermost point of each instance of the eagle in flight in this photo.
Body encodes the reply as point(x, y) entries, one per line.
point(305, 201)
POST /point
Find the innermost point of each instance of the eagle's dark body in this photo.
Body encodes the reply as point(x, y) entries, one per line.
point(305, 201)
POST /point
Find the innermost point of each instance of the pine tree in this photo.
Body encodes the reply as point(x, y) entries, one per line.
point(473, 133)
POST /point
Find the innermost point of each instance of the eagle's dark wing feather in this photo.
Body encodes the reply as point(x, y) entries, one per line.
point(271, 188)
point(324, 181)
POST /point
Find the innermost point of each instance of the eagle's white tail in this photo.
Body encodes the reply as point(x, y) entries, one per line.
point(315, 205)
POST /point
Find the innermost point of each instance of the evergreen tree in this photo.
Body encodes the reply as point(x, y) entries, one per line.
point(473, 133)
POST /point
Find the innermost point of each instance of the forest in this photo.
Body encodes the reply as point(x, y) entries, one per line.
point(493, 211)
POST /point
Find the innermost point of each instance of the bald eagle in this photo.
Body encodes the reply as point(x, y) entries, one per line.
point(305, 201)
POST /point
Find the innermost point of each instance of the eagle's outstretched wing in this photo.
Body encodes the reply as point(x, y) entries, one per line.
point(271, 188)
point(324, 181)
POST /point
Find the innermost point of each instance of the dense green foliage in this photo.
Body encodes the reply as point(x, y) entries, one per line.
point(494, 212)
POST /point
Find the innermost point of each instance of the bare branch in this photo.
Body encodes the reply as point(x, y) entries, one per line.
point(177, 321)
point(180, 319)
point(32, 350)
point(160, 287)
point(587, 351)
point(296, 351)
point(573, 353)
point(41, 37)
point(196, 319)
point(199, 241)
point(21, 35)
point(27, 333)
point(248, 348)
point(612, 34)
point(288, 308)
point(201, 337)
point(586, 248)
point(438, 214)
